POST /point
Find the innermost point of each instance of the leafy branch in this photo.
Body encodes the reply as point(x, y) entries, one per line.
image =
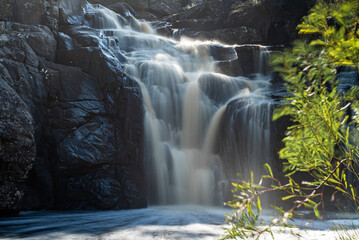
point(323, 139)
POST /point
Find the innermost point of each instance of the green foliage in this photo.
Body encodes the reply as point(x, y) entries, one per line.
point(323, 139)
point(337, 25)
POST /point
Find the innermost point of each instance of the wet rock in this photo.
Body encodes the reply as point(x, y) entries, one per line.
point(30, 41)
point(103, 129)
point(137, 5)
point(85, 119)
point(121, 8)
point(237, 22)
point(90, 142)
point(111, 195)
point(72, 12)
point(42, 42)
point(248, 60)
point(231, 35)
point(24, 54)
point(223, 53)
point(39, 190)
point(245, 136)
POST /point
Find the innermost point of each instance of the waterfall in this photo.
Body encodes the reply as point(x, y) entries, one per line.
point(200, 125)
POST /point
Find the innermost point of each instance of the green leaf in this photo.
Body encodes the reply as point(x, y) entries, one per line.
point(259, 204)
point(316, 212)
point(268, 169)
point(317, 42)
point(288, 197)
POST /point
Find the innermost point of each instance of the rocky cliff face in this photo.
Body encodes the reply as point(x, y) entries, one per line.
point(71, 120)
point(269, 22)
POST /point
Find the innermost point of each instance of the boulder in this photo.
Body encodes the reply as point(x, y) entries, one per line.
point(17, 148)
point(20, 69)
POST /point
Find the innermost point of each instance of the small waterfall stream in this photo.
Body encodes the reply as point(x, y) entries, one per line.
point(201, 126)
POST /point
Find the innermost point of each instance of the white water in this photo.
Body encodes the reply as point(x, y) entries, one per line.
point(176, 222)
point(185, 102)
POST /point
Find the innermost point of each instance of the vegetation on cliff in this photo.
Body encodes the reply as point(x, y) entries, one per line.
point(322, 143)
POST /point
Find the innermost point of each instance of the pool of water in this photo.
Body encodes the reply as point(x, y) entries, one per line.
point(167, 222)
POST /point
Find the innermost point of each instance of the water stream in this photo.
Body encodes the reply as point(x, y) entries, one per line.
point(186, 100)
point(174, 222)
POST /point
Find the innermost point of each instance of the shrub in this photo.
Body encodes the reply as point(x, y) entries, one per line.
point(323, 139)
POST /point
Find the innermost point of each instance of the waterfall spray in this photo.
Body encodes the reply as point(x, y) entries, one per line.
point(186, 103)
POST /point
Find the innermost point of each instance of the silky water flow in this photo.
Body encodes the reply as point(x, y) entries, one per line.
point(201, 126)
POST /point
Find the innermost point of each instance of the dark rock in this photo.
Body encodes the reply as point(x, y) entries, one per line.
point(164, 7)
point(121, 8)
point(16, 49)
point(44, 12)
point(17, 148)
point(249, 59)
point(105, 193)
point(137, 5)
point(238, 22)
point(145, 9)
point(31, 42)
point(88, 136)
point(19, 67)
point(199, 24)
point(32, 11)
point(112, 112)
point(80, 151)
point(230, 35)
point(90, 143)
point(42, 42)
point(222, 53)
point(64, 42)
point(148, 16)
point(163, 28)
point(5, 10)
point(72, 12)
point(39, 188)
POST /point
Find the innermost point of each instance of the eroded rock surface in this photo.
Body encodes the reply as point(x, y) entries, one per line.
point(267, 22)
point(71, 120)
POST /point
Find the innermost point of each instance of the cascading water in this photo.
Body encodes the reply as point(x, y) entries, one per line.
point(200, 125)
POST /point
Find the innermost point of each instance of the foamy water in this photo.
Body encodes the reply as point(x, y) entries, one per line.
point(167, 222)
